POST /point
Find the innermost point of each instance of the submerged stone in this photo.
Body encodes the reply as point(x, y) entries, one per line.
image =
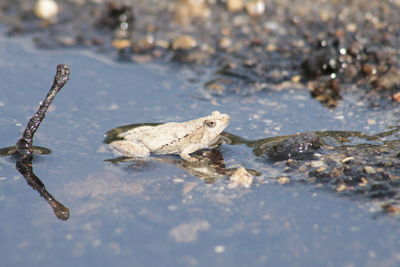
point(299, 146)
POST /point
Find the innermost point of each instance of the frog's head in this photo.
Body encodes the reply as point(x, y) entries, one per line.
point(214, 124)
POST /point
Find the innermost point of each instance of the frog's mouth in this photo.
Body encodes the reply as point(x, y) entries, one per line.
point(226, 118)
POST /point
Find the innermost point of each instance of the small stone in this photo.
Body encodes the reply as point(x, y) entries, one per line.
point(371, 122)
point(363, 182)
point(216, 87)
point(369, 170)
point(341, 188)
point(303, 168)
point(46, 9)
point(351, 27)
point(184, 42)
point(325, 15)
point(255, 7)
point(321, 169)
point(121, 43)
point(219, 249)
point(396, 97)
point(271, 47)
point(283, 180)
point(369, 69)
point(240, 177)
point(234, 5)
point(390, 208)
point(145, 43)
point(345, 160)
point(388, 80)
point(296, 79)
point(317, 163)
point(225, 42)
point(197, 8)
point(186, 10)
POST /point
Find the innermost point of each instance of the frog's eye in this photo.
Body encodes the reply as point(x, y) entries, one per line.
point(210, 124)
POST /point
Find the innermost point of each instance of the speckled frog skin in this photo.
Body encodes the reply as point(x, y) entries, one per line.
point(180, 138)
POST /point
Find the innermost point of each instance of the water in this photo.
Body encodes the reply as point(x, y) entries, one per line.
point(156, 213)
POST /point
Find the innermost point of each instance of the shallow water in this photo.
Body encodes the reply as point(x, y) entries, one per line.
point(158, 214)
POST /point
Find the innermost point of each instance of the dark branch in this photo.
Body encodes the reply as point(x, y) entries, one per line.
point(24, 145)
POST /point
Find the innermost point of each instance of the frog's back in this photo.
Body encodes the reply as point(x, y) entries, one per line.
point(161, 139)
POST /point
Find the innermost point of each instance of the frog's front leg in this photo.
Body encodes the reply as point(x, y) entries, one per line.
point(131, 149)
point(187, 150)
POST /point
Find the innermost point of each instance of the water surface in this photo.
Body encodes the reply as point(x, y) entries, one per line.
point(158, 214)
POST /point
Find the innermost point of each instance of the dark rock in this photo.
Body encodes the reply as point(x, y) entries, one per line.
point(300, 146)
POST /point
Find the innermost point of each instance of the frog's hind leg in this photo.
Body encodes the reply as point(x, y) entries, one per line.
point(130, 149)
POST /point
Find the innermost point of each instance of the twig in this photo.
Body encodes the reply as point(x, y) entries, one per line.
point(24, 145)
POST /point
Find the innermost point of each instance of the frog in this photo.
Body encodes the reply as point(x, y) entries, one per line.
point(181, 138)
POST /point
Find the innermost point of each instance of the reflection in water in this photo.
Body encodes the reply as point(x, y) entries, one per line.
point(209, 166)
point(24, 149)
point(25, 168)
point(12, 150)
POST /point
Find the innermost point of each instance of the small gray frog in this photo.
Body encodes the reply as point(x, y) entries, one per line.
point(180, 138)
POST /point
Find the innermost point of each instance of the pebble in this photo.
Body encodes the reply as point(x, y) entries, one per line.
point(234, 5)
point(219, 249)
point(145, 43)
point(225, 42)
point(391, 208)
point(396, 97)
point(46, 9)
point(216, 87)
point(351, 27)
point(184, 42)
point(341, 188)
point(317, 163)
point(186, 10)
point(296, 79)
point(255, 7)
point(120, 43)
point(369, 170)
point(271, 47)
point(240, 177)
point(347, 159)
point(283, 180)
point(363, 182)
